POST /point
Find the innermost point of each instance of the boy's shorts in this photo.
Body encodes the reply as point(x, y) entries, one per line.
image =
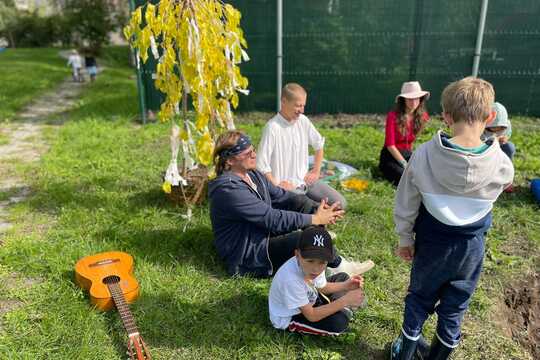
point(92, 70)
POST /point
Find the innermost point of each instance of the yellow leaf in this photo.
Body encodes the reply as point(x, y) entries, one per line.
point(205, 149)
point(183, 135)
point(166, 187)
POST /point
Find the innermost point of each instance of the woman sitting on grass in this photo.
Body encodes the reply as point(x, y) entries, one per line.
point(403, 124)
point(256, 224)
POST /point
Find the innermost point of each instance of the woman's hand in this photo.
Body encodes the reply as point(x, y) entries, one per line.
point(327, 214)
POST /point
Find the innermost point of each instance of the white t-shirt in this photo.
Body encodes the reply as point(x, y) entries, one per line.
point(284, 148)
point(74, 61)
point(289, 292)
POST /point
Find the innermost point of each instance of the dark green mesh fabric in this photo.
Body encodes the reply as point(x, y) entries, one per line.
point(353, 55)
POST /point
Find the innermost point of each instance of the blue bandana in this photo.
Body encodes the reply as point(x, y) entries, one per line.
point(242, 144)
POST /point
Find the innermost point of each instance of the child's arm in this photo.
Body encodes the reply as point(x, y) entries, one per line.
point(314, 314)
point(408, 200)
point(355, 282)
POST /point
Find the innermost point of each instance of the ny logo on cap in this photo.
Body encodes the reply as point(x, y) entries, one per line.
point(318, 240)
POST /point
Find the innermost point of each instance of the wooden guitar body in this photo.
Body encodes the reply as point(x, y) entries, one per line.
point(91, 271)
point(108, 277)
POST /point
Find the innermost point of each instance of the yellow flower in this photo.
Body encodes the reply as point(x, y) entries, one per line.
point(355, 184)
point(166, 187)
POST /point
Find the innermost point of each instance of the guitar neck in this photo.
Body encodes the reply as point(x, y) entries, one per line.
point(123, 308)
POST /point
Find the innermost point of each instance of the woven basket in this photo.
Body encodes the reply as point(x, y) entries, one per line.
point(194, 192)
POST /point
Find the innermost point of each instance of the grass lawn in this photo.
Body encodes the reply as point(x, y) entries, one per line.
point(98, 189)
point(26, 73)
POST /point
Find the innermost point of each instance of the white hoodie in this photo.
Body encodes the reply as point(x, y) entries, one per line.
point(456, 188)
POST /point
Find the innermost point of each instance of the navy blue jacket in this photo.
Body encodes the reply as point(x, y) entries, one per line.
point(243, 220)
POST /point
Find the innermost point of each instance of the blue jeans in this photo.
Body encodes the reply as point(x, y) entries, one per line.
point(444, 275)
point(509, 149)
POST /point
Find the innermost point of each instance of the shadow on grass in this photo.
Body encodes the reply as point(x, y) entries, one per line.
point(232, 323)
point(194, 248)
point(153, 196)
point(156, 197)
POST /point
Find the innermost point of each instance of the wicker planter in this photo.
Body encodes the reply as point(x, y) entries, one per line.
point(194, 192)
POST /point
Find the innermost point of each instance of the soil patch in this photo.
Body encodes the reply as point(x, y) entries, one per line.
point(522, 313)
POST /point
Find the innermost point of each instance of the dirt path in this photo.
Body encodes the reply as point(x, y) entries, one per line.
point(25, 144)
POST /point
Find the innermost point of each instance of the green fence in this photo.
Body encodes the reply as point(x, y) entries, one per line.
point(353, 55)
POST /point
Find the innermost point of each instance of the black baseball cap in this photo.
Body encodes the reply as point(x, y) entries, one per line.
point(316, 243)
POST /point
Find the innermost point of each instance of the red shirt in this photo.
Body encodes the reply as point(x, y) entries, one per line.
point(395, 137)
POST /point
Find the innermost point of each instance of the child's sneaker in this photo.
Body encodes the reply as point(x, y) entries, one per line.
point(395, 348)
point(352, 267)
point(357, 268)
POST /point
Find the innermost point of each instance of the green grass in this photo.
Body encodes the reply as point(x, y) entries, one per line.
point(98, 189)
point(27, 73)
point(4, 139)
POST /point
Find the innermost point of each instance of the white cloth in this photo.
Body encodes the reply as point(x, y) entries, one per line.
point(289, 292)
point(172, 175)
point(75, 61)
point(284, 148)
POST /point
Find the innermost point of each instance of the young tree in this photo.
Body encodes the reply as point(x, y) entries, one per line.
point(90, 21)
point(8, 18)
point(199, 45)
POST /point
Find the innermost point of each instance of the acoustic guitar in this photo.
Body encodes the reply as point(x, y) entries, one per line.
point(108, 277)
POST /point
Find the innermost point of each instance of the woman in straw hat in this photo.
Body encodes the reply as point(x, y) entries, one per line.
point(403, 124)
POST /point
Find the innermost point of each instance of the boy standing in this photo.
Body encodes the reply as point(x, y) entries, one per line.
point(297, 299)
point(442, 213)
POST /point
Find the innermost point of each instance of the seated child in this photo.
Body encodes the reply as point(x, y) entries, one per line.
point(501, 128)
point(442, 213)
point(297, 299)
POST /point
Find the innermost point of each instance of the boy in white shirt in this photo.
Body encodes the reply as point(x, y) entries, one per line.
point(283, 153)
point(297, 301)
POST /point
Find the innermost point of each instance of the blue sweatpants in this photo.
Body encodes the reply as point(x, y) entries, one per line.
point(445, 271)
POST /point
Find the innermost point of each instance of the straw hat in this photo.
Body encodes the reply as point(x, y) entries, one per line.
point(412, 90)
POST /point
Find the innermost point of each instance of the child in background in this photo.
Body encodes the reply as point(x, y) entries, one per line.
point(442, 213)
point(297, 299)
point(403, 125)
point(501, 128)
point(91, 65)
point(75, 61)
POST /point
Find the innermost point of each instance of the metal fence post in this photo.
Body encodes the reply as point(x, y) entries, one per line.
point(140, 85)
point(479, 38)
point(279, 51)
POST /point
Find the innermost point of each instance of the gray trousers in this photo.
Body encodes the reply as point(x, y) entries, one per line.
point(320, 190)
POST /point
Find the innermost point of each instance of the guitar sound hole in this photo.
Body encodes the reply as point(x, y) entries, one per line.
point(113, 279)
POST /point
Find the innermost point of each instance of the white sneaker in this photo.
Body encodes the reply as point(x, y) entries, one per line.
point(352, 267)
